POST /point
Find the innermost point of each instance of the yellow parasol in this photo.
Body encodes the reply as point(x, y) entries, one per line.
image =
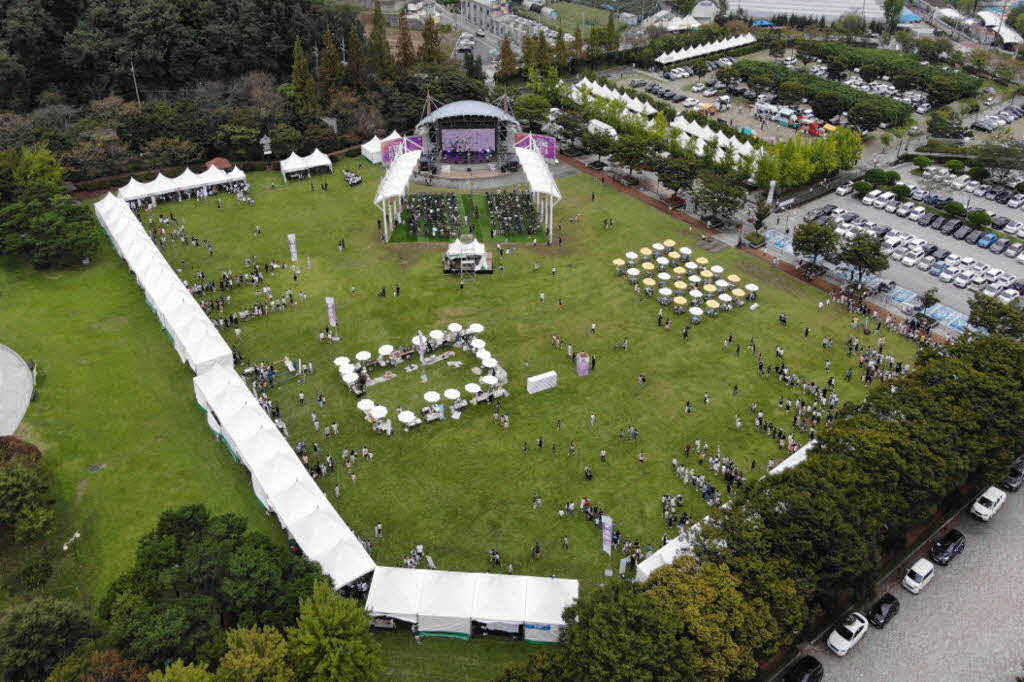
point(647, 266)
point(618, 262)
point(706, 274)
point(713, 305)
point(680, 271)
point(674, 255)
point(679, 300)
point(680, 285)
point(645, 251)
point(735, 279)
point(738, 293)
point(702, 261)
point(669, 243)
point(710, 288)
point(648, 282)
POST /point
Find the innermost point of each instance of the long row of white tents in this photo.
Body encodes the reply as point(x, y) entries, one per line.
point(195, 337)
point(703, 49)
point(162, 185)
point(441, 602)
point(705, 134)
point(446, 603)
point(372, 148)
point(279, 479)
point(296, 164)
point(634, 104)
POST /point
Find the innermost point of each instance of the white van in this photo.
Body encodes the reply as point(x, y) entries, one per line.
point(870, 197)
point(882, 199)
point(986, 506)
point(959, 181)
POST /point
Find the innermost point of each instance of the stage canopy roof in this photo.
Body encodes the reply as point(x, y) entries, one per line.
point(537, 172)
point(396, 180)
point(467, 107)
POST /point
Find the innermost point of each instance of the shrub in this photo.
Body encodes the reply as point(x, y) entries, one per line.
point(954, 208)
point(862, 187)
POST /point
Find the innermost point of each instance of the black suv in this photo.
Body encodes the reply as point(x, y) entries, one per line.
point(952, 226)
point(807, 669)
point(948, 547)
point(962, 232)
point(1015, 479)
point(927, 219)
point(973, 236)
point(883, 610)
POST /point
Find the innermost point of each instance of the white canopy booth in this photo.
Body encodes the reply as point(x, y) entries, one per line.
point(393, 187)
point(500, 602)
point(371, 149)
point(446, 604)
point(546, 598)
point(395, 593)
point(542, 186)
point(296, 164)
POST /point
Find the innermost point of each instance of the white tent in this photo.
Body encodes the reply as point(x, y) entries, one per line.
point(665, 555)
point(595, 126)
point(458, 248)
point(293, 164)
point(543, 189)
point(446, 603)
point(395, 593)
point(187, 179)
point(296, 502)
point(393, 135)
point(546, 598)
point(393, 186)
point(317, 159)
point(236, 174)
point(213, 176)
point(500, 601)
point(371, 149)
point(796, 458)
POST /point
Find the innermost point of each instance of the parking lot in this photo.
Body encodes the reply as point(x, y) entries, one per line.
point(966, 625)
point(910, 277)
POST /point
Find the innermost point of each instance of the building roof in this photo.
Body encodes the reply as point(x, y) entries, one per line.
point(467, 107)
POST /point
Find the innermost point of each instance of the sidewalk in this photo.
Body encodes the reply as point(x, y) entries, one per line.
point(16, 385)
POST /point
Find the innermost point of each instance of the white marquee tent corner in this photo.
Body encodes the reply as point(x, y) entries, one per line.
point(371, 149)
point(395, 593)
point(296, 164)
point(500, 602)
point(546, 599)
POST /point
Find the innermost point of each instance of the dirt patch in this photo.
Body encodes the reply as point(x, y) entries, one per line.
point(80, 489)
point(30, 435)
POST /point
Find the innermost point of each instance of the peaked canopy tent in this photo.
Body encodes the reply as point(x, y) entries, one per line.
point(393, 187)
point(543, 189)
point(446, 604)
point(665, 555)
point(185, 182)
point(371, 149)
point(703, 49)
point(297, 164)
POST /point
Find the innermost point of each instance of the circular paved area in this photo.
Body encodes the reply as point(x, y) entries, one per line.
point(15, 390)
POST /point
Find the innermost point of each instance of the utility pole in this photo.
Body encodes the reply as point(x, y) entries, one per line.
point(135, 82)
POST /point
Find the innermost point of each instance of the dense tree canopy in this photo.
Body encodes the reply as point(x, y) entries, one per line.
point(36, 634)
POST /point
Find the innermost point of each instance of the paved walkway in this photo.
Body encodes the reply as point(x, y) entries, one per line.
point(15, 390)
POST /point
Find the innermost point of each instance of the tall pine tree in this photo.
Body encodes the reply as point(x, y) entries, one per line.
point(332, 71)
point(543, 52)
point(303, 83)
point(378, 50)
point(507, 62)
point(406, 52)
point(354, 50)
point(561, 51)
point(577, 43)
point(430, 50)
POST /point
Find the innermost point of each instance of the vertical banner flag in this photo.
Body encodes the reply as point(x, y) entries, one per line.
point(606, 534)
point(293, 248)
point(332, 313)
point(771, 192)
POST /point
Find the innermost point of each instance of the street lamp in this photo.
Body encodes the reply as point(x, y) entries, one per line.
point(71, 540)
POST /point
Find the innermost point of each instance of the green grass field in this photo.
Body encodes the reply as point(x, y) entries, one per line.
point(115, 394)
point(571, 15)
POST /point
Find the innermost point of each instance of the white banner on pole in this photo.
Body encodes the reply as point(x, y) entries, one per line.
point(332, 313)
point(606, 534)
point(293, 248)
point(771, 192)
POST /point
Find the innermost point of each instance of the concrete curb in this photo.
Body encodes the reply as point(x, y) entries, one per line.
point(17, 382)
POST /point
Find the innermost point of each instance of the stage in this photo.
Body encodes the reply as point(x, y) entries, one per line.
point(468, 171)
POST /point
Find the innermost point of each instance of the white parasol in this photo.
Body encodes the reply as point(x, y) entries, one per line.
point(365, 404)
point(490, 380)
point(378, 412)
point(451, 394)
point(472, 388)
point(342, 360)
point(478, 344)
point(455, 327)
point(363, 355)
point(436, 334)
point(386, 349)
point(475, 328)
point(489, 363)
point(431, 396)
point(406, 417)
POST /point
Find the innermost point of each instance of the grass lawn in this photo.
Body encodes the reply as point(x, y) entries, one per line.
point(571, 15)
point(115, 393)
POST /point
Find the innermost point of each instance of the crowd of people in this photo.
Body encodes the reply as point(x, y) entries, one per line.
point(434, 215)
point(351, 178)
point(512, 212)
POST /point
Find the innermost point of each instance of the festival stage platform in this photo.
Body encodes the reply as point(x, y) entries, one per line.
point(468, 171)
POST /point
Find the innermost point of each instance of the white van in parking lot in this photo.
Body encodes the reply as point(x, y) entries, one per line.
point(870, 197)
point(986, 506)
point(882, 199)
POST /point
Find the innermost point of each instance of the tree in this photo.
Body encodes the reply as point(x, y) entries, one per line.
point(862, 187)
point(700, 67)
point(615, 632)
point(864, 254)
point(792, 92)
point(332, 71)
point(508, 63)
point(533, 109)
point(600, 143)
point(378, 51)
point(816, 241)
point(406, 52)
point(867, 113)
point(761, 212)
point(848, 147)
point(955, 166)
point(430, 49)
point(901, 191)
point(302, 82)
point(922, 162)
point(25, 505)
point(678, 172)
point(356, 61)
point(996, 317)
point(106, 665)
point(631, 150)
point(180, 672)
point(827, 105)
point(727, 631)
point(954, 208)
point(255, 655)
point(36, 634)
point(561, 51)
point(331, 639)
point(718, 195)
point(978, 219)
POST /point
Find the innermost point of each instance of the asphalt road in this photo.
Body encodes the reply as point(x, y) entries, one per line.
point(967, 625)
point(912, 278)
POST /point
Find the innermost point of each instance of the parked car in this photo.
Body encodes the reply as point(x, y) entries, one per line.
point(937, 268)
point(988, 504)
point(987, 239)
point(973, 236)
point(1008, 296)
point(962, 232)
point(1013, 227)
point(950, 274)
point(1015, 478)
point(807, 669)
point(847, 634)
point(999, 245)
point(882, 199)
point(1016, 201)
point(916, 213)
point(948, 547)
point(883, 610)
point(951, 226)
point(927, 219)
point(962, 280)
point(903, 209)
point(1012, 250)
point(918, 576)
point(869, 198)
point(912, 259)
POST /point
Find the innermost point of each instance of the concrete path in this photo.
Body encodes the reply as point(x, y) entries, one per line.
point(15, 390)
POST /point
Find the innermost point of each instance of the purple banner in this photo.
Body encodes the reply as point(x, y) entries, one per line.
point(606, 533)
point(392, 149)
point(467, 139)
point(545, 145)
point(332, 312)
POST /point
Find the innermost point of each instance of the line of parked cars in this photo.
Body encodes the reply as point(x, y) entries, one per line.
point(964, 182)
point(964, 272)
point(659, 91)
point(1004, 116)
